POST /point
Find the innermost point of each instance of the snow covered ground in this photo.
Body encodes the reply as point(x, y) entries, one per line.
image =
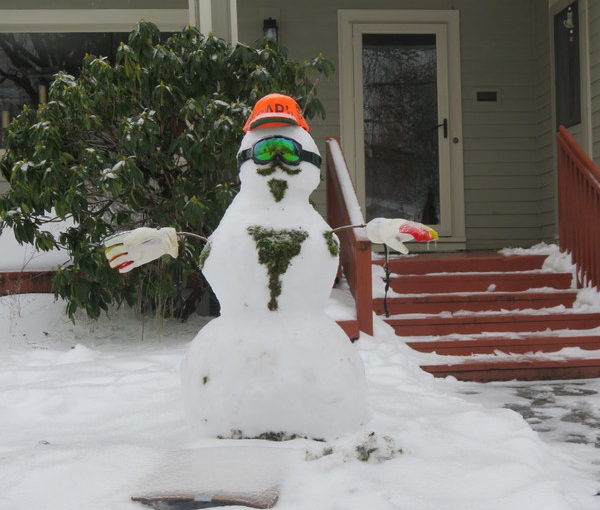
point(91, 414)
point(564, 413)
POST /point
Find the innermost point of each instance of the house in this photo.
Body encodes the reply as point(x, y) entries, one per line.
point(466, 144)
point(490, 67)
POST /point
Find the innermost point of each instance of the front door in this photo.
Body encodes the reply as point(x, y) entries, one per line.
point(405, 132)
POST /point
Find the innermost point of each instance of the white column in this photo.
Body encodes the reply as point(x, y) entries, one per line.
point(218, 17)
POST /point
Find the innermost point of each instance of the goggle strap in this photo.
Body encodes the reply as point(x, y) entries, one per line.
point(245, 155)
point(311, 157)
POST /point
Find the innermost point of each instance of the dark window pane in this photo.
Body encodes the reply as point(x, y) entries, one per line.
point(400, 115)
point(28, 62)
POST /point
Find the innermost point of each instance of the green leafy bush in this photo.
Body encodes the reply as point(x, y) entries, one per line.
point(148, 141)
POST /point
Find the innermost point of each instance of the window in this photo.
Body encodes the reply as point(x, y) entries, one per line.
point(28, 62)
point(567, 77)
point(38, 43)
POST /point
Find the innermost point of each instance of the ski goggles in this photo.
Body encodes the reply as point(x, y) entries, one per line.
point(280, 148)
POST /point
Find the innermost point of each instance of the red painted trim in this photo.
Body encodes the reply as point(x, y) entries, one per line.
point(475, 302)
point(523, 371)
point(351, 328)
point(503, 282)
point(463, 262)
point(578, 207)
point(26, 282)
point(355, 249)
point(507, 345)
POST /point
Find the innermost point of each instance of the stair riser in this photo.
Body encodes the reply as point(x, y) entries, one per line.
point(479, 283)
point(521, 374)
point(521, 303)
point(468, 347)
point(423, 265)
point(471, 328)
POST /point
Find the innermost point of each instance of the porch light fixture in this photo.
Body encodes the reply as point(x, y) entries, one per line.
point(569, 24)
point(270, 29)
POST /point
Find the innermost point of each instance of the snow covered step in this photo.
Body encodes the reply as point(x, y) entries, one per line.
point(523, 370)
point(479, 301)
point(479, 282)
point(521, 345)
point(463, 262)
point(480, 323)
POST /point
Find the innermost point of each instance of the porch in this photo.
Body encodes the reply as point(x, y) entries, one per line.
point(484, 315)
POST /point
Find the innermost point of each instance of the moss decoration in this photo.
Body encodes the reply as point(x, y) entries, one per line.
point(272, 436)
point(274, 166)
point(276, 249)
point(204, 255)
point(278, 188)
point(332, 243)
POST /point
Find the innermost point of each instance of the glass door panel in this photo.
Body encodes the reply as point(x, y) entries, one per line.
point(401, 132)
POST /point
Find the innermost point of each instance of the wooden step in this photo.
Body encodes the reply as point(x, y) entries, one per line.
point(25, 282)
point(475, 302)
point(507, 370)
point(522, 345)
point(475, 324)
point(479, 282)
point(463, 262)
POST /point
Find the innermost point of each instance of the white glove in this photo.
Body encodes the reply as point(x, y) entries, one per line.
point(128, 250)
point(395, 232)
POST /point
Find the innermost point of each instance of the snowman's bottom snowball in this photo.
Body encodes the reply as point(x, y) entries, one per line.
point(274, 373)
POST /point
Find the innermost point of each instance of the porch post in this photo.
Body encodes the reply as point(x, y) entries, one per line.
point(218, 17)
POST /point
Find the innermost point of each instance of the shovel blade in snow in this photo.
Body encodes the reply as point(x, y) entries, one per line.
point(191, 501)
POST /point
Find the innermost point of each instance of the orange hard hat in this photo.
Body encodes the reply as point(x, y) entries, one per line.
point(275, 110)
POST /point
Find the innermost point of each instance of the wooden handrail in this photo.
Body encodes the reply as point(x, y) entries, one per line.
point(355, 247)
point(579, 208)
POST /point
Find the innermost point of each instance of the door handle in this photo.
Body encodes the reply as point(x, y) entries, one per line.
point(444, 124)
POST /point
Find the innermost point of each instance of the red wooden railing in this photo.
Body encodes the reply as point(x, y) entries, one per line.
point(579, 207)
point(355, 248)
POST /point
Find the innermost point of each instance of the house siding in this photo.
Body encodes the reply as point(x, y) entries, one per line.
point(507, 147)
point(594, 36)
point(544, 122)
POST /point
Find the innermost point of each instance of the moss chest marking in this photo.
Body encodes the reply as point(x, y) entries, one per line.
point(332, 243)
point(276, 249)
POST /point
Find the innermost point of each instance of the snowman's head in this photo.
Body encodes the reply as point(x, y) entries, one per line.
point(279, 163)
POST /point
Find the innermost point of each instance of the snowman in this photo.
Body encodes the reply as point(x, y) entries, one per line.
point(273, 364)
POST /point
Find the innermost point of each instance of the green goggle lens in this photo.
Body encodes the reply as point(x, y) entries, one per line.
point(281, 148)
point(266, 150)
